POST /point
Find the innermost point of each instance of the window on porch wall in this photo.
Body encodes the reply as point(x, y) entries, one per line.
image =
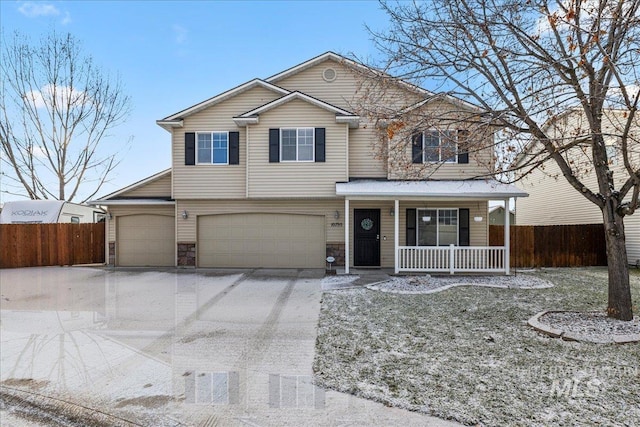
point(437, 227)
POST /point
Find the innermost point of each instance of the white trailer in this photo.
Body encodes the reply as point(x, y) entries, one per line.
point(48, 211)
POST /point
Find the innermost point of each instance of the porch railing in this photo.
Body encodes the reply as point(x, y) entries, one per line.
point(451, 259)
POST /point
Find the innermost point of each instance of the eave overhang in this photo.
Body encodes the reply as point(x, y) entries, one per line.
point(432, 190)
point(170, 124)
point(132, 202)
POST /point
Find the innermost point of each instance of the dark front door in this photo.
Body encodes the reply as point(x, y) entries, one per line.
point(366, 237)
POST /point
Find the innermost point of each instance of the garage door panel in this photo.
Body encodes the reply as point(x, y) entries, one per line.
point(145, 240)
point(261, 240)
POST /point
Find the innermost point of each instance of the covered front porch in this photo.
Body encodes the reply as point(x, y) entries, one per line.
point(434, 226)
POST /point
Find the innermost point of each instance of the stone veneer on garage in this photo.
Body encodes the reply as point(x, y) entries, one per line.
point(336, 250)
point(112, 253)
point(186, 254)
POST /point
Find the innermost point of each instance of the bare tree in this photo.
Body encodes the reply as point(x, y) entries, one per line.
point(56, 108)
point(526, 63)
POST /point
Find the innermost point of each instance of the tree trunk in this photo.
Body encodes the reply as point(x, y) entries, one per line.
point(619, 305)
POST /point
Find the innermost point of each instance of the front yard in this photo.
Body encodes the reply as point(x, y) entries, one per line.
point(467, 354)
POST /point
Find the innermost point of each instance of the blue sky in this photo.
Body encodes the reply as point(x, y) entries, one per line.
point(173, 54)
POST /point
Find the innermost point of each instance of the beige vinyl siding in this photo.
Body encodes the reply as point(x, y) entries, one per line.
point(339, 92)
point(363, 146)
point(158, 188)
point(480, 163)
point(215, 181)
point(187, 229)
point(479, 231)
point(343, 93)
point(632, 234)
point(296, 179)
point(117, 211)
point(553, 201)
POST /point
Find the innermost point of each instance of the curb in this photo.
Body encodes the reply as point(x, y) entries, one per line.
point(541, 327)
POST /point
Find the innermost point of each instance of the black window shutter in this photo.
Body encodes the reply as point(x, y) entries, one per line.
point(416, 148)
point(274, 145)
point(320, 144)
point(234, 148)
point(463, 230)
point(189, 148)
point(411, 227)
point(463, 146)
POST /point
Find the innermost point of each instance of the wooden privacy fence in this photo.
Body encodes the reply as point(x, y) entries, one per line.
point(35, 245)
point(553, 245)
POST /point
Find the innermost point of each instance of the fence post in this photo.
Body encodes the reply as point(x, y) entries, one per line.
point(452, 257)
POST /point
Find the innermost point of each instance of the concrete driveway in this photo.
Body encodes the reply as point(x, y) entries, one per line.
point(158, 348)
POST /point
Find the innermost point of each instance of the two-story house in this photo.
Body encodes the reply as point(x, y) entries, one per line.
point(553, 201)
point(283, 172)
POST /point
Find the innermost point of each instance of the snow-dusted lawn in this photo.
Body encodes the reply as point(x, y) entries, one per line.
point(467, 354)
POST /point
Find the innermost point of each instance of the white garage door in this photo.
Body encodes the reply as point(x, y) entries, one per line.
point(261, 240)
point(145, 240)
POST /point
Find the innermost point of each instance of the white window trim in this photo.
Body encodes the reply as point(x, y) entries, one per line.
point(454, 160)
point(313, 145)
point(419, 218)
point(211, 163)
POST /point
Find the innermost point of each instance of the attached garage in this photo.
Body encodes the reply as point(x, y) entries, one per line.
point(253, 240)
point(145, 241)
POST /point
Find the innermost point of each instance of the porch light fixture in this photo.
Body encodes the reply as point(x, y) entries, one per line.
point(392, 212)
point(477, 218)
point(426, 218)
point(185, 214)
point(336, 214)
point(110, 215)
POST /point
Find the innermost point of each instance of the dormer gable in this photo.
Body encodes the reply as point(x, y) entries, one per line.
point(176, 120)
point(253, 116)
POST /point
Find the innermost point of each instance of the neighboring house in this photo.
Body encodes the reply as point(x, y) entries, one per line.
point(553, 201)
point(48, 211)
point(281, 173)
point(496, 216)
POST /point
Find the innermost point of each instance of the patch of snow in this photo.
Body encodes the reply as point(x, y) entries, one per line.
point(341, 279)
point(467, 355)
point(428, 285)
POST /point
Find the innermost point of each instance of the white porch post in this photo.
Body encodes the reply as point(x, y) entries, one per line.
point(396, 234)
point(507, 237)
point(346, 236)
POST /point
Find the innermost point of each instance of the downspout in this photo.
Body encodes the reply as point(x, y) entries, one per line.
point(246, 163)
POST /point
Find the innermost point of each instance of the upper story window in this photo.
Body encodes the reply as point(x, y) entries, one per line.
point(213, 148)
point(296, 145)
point(434, 146)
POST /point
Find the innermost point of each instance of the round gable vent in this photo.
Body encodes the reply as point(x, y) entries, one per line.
point(329, 74)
